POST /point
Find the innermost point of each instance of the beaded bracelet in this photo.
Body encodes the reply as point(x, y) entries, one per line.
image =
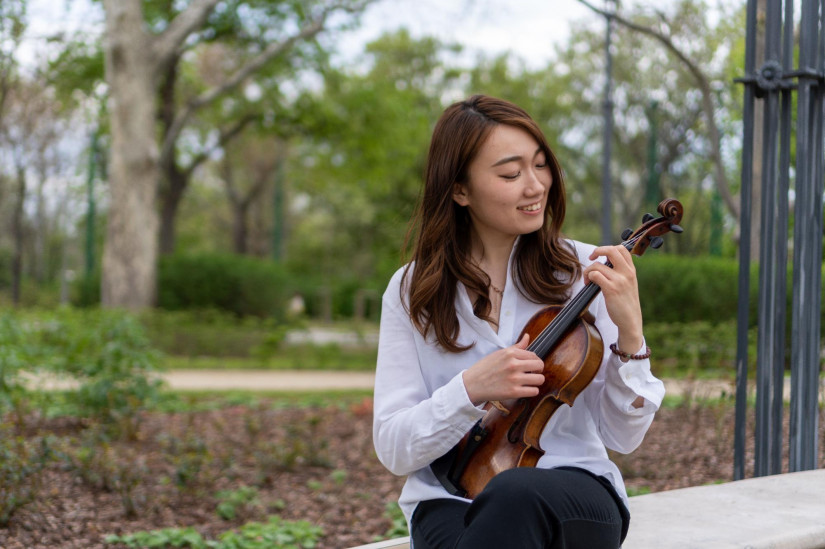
point(626, 356)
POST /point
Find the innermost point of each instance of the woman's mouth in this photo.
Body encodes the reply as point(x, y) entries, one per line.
point(531, 207)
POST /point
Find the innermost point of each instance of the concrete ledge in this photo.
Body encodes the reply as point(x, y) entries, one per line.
point(776, 512)
point(398, 543)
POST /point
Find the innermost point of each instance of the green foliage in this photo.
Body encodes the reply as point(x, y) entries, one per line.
point(105, 352)
point(398, 527)
point(687, 348)
point(14, 359)
point(677, 289)
point(687, 289)
point(189, 457)
point(109, 355)
point(239, 284)
point(242, 500)
point(273, 534)
point(207, 332)
point(362, 160)
point(21, 465)
point(106, 467)
point(637, 491)
point(167, 537)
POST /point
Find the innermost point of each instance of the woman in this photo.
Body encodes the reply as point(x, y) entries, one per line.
point(487, 256)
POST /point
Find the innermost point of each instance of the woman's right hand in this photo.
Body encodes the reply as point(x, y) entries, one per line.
point(512, 372)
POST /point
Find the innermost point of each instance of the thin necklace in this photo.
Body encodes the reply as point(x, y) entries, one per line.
point(499, 291)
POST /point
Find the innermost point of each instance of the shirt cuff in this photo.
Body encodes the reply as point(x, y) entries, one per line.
point(634, 379)
point(455, 407)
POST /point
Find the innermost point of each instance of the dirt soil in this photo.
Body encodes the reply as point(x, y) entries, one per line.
point(313, 464)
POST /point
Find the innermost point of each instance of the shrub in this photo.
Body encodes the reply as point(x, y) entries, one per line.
point(239, 284)
point(110, 356)
point(106, 352)
point(689, 347)
point(274, 534)
point(21, 466)
point(209, 332)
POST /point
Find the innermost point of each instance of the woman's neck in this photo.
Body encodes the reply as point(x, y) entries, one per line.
point(493, 257)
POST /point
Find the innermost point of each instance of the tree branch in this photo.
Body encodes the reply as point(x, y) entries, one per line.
point(166, 44)
point(226, 135)
point(707, 100)
point(312, 28)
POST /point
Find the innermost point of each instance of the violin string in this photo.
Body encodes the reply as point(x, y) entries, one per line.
point(553, 331)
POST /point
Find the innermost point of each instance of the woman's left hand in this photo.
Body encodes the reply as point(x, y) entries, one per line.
point(621, 293)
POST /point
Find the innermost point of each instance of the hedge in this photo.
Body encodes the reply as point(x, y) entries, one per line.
point(674, 289)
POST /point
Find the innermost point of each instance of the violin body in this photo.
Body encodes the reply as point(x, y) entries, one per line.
point(518, 423)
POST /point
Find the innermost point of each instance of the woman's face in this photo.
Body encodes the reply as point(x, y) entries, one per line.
point(506, 191)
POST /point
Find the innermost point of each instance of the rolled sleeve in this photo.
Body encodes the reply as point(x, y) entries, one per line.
point(412, 426)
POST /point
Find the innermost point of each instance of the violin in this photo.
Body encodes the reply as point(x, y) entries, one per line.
point(570, 345)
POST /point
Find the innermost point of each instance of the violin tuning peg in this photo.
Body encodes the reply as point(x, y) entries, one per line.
point(656, 242)
point(676, 229)
point(626, 233)
point(647, 217)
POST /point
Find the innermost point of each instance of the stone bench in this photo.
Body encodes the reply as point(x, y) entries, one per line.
point(775, 512)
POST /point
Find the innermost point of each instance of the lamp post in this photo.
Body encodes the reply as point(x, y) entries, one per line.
point(607, 148)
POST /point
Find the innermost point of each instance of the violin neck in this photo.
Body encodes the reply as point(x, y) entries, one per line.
point(570, 313)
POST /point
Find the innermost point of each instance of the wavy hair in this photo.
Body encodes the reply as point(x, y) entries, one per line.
point(545, 267)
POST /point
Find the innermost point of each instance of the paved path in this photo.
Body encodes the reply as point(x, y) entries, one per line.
point(301, 380)
point(318, 380)
point(263, 380)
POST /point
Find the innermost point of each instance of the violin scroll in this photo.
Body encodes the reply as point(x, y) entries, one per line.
point(652, 229)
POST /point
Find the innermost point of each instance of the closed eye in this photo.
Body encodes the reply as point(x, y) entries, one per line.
point(511, 177)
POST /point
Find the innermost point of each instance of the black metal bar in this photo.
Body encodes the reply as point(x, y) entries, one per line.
point(775, 82)
point(781, 244)
point(607, 151)
point(771, 317)
point(808, 252)
point(745, 200)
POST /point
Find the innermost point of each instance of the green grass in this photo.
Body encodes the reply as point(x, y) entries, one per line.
point(303, 357)
point(193, 401)
point(63, 403)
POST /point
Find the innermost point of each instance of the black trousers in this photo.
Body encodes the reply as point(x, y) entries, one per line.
point(527, 508)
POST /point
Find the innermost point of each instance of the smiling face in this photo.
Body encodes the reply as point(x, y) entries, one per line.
point(506, 188)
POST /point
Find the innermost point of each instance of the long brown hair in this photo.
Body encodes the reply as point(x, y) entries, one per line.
point(545, 267)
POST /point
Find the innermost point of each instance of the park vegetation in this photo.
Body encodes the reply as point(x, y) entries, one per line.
point(262, 185)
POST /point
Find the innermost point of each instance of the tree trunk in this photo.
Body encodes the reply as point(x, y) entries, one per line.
point(174, 181)
point(130, 251)
point(170, 199)
point(240, 229)
point(17, 234)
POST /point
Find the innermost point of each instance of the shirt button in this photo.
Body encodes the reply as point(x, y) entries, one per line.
point(508, 313)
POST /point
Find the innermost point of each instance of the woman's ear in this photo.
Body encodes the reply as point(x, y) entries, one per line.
point(460, 194)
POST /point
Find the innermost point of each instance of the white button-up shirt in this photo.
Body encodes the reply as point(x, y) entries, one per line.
point(422, 409)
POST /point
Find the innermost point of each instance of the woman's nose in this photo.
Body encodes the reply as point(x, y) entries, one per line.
point(535, 185)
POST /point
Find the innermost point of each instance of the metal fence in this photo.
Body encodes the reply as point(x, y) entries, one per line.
point(773, 84)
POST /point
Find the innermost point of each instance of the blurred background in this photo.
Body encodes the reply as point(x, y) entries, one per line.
point(226, 185)
point(289, 139)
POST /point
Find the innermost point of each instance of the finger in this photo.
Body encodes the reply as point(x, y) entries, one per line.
point(617, 255)
point(597, 277)
point(598, 268)
point(599, 251)
point(622, 256)
point(524, 342)
point(533, 380)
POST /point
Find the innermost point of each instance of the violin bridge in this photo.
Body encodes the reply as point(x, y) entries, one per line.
point(500, 407)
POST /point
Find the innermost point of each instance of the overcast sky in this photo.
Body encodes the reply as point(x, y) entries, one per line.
point(526, 27)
